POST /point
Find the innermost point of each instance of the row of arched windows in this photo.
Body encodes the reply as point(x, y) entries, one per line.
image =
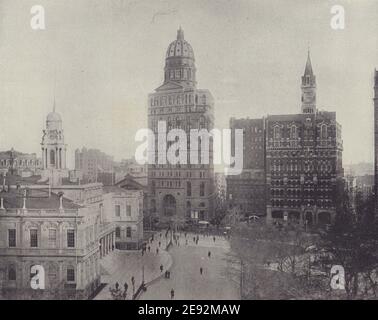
point(20, 163)
point(178, 99)
point(293, 132)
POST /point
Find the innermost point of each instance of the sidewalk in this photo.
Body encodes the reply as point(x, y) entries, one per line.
point(120, 266)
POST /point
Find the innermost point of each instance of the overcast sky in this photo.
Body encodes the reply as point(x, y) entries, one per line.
point(103, 57)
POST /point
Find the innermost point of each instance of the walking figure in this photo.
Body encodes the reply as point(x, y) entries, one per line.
point(209, 254)
point(172, 294)
point(159, 244)
point(214, 239)
point(186, 242)
point(149, 249)
point(133, 283)
point(157, 250)
point(161, 268)
point(201, 271)
point(125, 286)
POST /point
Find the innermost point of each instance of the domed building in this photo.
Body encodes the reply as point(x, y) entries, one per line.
point(54, 149)
point(183, 192)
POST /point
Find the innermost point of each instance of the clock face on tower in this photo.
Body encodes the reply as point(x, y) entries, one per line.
point(53, 135)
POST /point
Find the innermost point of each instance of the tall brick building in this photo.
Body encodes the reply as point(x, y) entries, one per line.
point(303, 162)
point(376, 139)
point(246, 192)
point(180, 192)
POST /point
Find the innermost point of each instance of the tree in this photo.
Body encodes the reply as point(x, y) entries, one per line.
point(274, 262)
point(353, 244)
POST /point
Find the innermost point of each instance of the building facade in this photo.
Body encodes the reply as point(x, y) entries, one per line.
point(292, 163)
point(18, 163)
point(95, 165)
point(124, 208)
point(183, 191)
point(48, 230)
point(303, 161)
point(375, 99)
point(246, 191)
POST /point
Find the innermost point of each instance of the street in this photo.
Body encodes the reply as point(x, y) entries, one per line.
point(186, 280)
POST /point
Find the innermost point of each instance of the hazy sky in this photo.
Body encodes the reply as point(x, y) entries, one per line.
point(104, 56)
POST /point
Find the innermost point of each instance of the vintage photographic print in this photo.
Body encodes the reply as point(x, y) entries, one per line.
point(188, 150)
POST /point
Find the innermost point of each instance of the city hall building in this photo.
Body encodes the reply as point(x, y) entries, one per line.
point(180, 192)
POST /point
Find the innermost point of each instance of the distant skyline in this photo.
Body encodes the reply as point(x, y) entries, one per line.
point(101, 58)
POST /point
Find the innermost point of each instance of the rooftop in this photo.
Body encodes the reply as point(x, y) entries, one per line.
point(35, 199)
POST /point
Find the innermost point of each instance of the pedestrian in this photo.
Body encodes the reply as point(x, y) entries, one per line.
point(117, 285)
point(194, 239)
point(186, 242)
point(172, 294)
point(209, 254)
point(125, 286)
point(160, 234)
point(214, 238)
point(201, 271)
point(149, 249)
point(161, 268)
point(157, 250)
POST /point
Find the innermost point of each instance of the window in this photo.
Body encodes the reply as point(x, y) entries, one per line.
point(202, 189)
point(276, 132)
point(128, 232)
point(12, 273)
point(12, 238)
point(71, 238)
point(52, 157)
point(128, 210)
point(70, 274)
point(323, 132)
point(52, 238)
point(293, 132)
point(188, 189)
point(153, 187)
point(34, 238)
point(118, 232)
point(118, 210)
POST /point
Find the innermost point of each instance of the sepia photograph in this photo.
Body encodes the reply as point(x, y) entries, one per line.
point(188, 155)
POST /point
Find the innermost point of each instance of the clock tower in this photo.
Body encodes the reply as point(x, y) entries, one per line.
point(308, 88)
point(54, 149)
